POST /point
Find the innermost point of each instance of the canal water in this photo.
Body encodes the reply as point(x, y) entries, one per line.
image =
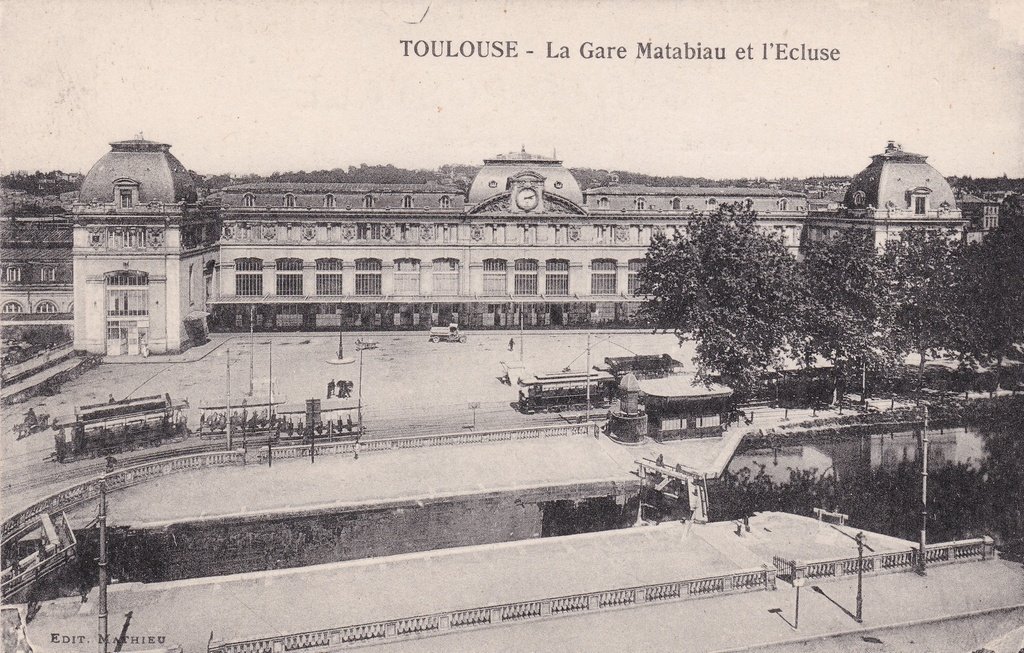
point(975, 482)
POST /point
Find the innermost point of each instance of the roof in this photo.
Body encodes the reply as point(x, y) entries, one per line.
point(159, 175)
point(339, 187)
point(493, 177)
point(682, 385)
point(891, 175)
point(36, 254)
point(729, 191)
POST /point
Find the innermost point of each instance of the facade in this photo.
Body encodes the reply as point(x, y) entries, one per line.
point(35, 270)
point(982, 215)
point(154, 267)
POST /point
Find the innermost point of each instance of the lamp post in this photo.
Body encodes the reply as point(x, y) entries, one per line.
point(341, 359)
point(252, 345)
point(102, 563)
point(473, 405)
point(860, 577)
point(361, 347)
point(921, 562)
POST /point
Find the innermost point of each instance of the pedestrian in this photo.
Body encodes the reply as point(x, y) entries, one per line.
point(111, 399)
point(330, 389)
point(511, 344)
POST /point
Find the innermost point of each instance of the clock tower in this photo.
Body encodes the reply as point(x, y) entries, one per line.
point(526, 192)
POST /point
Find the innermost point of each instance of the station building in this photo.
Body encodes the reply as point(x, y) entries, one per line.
point(155, 268)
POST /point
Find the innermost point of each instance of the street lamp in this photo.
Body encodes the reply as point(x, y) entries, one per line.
point(361, 347)
point(341, 359)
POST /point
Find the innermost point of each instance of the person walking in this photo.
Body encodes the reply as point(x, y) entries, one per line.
point(511, 344)
point(330, 389)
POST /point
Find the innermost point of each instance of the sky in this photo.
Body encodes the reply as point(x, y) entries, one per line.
point(273, 86)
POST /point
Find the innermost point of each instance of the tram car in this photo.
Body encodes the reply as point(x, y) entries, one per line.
point(113, 427)
point(332, 419)
point(642, 366)
point(558, 391)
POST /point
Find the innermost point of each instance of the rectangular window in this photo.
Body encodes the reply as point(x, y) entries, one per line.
point(556, 278)
point(672, 423)
point(126, 199)
point(368, 231)
point(368, 283)
point(603, 278)
point(634, 277)
point(495, 277)
point(127, 302)
point(13, 275)
point(249, 284)
point(48, 274)
point(708, 421)
point(525, 281)
point(446, 277)
point(289, 283)
point(919, 205)
point(328, 283)
point(407, 277)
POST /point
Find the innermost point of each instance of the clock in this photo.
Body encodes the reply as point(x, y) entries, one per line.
point(527, 199)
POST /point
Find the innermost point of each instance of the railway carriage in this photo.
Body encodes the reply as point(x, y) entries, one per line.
point(109, 428)
point(559, 391)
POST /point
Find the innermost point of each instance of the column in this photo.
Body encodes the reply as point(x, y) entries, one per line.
point(476, 278)
point(426, 278)
point(510, 277)
point(387, 278)
point(621, 276)
point(579, 280)
point(308, 277)
point(348, 277)
point(226, 277)
point(269, 277)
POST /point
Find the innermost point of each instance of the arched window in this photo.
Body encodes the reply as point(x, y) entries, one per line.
point(329, 201)
point(289, 201)
point(368, 201)
point(12, 307)
point(633, 282)
point(12, 274)
point(783, 204)
point(602, 203)
point(640, 204)
point(446, 276)
point(711, 202)
point(249, 200)
point(407, 276)
point(328, 276)
point(407, 202)
point(127, 293)
point(368, 276)
point(556, 277)
point(289, 276)
point(676, 203)
point(47, 274)
point(46, 306)
point(495, 276)
point(603, 276)
point(249, 277)
point(526, 276)
point(859, 199)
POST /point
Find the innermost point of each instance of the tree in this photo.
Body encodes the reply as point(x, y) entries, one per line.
point(845, 312)
point(922, 272)
point(729, 286)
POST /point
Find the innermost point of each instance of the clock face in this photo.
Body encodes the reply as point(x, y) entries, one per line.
point(527, 199)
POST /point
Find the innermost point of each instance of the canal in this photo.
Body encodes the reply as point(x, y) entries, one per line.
point(975, 482)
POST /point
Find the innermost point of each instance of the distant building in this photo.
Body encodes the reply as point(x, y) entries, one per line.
point(35, 269)
point(982, 215)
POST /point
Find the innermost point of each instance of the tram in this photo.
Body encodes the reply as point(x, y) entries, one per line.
point(116, 426)
point(559, 391)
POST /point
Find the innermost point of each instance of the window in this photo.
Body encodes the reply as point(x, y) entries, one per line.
point(602, 203)
point(407, 276)
point(783, 204)
point(920, 205)
point(249, 277)
point(495, 275)
point(328, 276)
point(127, 293)
point(289, 276)
point(368, 276)
point(368, 231)
point(12, 307)
point(633, 284)
point(445, 202)
point(330, 202)
point(289, 201)
point(602, 277)
point(46, 307)
point(446, 276)
point(249, 200)
point(859, 198)
point(640, 204)
point(126, 198)
point(526, 277)
point(672, 423)
point(407, 202)
point(708, 421)
point(676, 203)
point(12, 274)
point(47, 273)
point(556, 278)
point(711, 202)
point(368, 201)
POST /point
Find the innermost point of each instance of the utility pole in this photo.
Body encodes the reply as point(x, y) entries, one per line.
point(270, 408)
point(341, 335)
point(227, 403)
point(860, 577)
point(103, 565)
point(522, 339)
point(588, 376)
point(922, 563)
point(360, 397)
point(252, 345)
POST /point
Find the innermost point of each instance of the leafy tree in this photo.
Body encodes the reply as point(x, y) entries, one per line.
point(922, 272)
point(731, 287)
point(845, 316)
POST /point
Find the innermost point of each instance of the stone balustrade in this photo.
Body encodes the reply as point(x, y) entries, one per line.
point(482, 617)
point(982, 548)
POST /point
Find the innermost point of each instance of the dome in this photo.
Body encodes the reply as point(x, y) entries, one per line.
point(893, 178)
point(494, 176)
point(147, 165)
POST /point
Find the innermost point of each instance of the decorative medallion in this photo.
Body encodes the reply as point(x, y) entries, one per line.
point(308, 232)
point(476, 232)
point(492, 184)
point(348, 231)
point(621, 233)
point(558, 184)
point(228, 231)
point(387, 232)
point(269, 231)
point(427, 232)
point(155, 237)
point(97, 237)
point(574, 233)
